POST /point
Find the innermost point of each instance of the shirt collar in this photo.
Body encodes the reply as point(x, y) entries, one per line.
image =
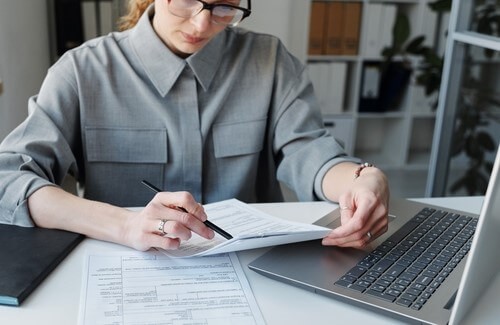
point(162, 66)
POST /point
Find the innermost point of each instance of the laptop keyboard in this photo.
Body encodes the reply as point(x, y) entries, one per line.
point(409, 266)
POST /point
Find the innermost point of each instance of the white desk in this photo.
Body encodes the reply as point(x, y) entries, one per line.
point(56, 300)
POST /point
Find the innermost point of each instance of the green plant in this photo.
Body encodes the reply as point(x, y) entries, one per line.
point(401, 46)
point(396, 69)
point(478, 106)
point(430, 65)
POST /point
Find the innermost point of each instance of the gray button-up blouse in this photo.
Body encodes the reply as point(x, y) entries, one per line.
point(232, 120)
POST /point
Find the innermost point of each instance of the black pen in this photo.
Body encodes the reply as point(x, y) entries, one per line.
point(206, 222)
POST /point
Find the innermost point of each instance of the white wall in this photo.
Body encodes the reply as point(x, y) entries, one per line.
point(286, 19)
point(24, 57)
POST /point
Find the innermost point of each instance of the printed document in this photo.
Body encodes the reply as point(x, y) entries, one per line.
point(151, 288)
point(250, 228)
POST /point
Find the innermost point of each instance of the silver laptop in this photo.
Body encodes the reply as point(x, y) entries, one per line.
point(430, 267)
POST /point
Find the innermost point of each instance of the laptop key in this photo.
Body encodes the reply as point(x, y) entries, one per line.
point(380, 295)
point(396, 270)
point(382, 265)
point(408, 296)
point(362, 283)
point(368, 278)
point(404, 302)
point(413, 291)
point(393, 292)
point(348, 278)
point(403, 231)
point(356, 271)
point(351, 286)
point(378, 287)
point(424, 280)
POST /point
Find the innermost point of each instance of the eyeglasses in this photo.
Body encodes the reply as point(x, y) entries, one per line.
point(222, 13)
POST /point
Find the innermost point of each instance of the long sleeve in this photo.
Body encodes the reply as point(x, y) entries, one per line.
point(40, 151)
point(306, 148)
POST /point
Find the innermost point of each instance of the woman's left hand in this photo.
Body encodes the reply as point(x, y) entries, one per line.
point(363, 211)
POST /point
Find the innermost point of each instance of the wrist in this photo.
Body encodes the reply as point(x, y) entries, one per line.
point(363, 168)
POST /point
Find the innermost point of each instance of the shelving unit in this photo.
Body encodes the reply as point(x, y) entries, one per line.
point(397, 137)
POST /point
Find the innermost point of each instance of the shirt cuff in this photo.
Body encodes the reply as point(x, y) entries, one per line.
point(20, 216)
point(318, 181)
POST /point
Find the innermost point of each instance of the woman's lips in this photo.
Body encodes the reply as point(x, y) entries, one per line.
point(192, 39)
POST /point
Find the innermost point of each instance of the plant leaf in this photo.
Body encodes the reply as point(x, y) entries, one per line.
point(440, 5)
point(415, 46)
point(400, 31)
point(485, 140)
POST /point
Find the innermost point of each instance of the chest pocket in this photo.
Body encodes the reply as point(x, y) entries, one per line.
point(236, 139)
point(118, 158)
point(126, 145)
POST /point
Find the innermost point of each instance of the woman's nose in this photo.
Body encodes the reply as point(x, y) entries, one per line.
point(202, 20)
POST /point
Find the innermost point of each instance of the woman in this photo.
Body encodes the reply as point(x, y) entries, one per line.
point(184, 100)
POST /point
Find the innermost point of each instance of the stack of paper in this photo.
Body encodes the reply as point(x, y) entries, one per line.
point(250, 228)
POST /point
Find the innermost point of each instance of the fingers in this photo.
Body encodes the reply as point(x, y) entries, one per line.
point(164, 242)
point(182, 212)
point(360, 225)
point(167, 220)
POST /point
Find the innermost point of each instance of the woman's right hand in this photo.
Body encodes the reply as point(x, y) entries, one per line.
point(168, 219)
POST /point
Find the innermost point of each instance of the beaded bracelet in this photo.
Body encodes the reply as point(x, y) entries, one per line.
point(360, 168)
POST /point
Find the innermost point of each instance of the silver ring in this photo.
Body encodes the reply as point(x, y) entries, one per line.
point(161, 225)
point(369, 234)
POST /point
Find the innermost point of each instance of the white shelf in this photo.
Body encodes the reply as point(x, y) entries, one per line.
point(399, 137)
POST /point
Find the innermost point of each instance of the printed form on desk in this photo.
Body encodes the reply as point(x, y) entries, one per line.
point(152, 288)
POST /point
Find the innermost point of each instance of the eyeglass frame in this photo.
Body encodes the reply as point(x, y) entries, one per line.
point(211, 6)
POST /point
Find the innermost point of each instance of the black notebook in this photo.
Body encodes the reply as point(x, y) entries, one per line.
point(27, 256)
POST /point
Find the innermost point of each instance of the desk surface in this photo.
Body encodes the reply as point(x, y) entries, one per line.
point(56, 300)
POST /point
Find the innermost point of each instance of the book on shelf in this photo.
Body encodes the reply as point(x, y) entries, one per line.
point(317, 25)
point(380, 20)
point(106, 17)
point(329, 82)
point(97, 18)
point(351, 27)
point(334, 28)
point(89, 20)
point(370, 86)
point(389, 13)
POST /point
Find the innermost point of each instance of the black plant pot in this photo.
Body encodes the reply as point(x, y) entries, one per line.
point(393, 84)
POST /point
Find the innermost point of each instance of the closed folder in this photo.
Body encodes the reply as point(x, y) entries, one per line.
point(27, 256)
point(317, 28)
point(351, 28)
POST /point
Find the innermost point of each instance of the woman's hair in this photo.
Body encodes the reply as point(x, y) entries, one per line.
point(135, 10)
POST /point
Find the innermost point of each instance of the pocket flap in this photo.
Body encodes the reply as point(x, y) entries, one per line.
point(240, 138)
point(126, 145)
